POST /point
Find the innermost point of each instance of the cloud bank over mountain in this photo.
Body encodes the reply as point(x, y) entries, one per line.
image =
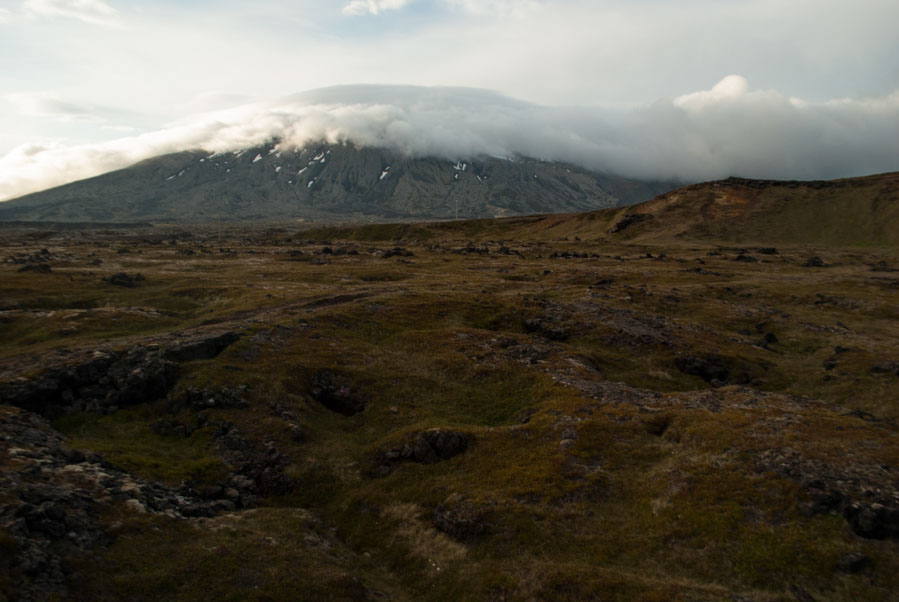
point(727, 130)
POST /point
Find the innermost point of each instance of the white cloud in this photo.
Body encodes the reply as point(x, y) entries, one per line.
point(727, 130)
point(6, 15)
point(373, 7)
point(43, 104)
point(96, 12)
point(500, 7)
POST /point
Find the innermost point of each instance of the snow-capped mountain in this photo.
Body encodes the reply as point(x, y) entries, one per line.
point(327, 181)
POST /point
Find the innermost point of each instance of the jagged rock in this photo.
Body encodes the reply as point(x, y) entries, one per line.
point(109, 379)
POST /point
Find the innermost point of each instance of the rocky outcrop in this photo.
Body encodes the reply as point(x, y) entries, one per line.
point(258, 471)
point(866, 496)
point(54, 496)
point(427, 447)
point(111, 379)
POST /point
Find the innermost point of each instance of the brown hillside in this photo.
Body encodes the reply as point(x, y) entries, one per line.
point(855, 212)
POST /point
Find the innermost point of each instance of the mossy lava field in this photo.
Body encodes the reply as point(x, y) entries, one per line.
point(517, 409)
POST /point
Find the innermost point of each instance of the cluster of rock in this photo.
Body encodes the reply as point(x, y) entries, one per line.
point(867, 497)
point(53, 497)
point(573, 255)
point(426, 447)
point(110, 379)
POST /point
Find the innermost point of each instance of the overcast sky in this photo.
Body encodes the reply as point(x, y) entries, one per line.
point(88, 85)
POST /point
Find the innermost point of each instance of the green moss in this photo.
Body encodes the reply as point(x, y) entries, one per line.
point(126, 439)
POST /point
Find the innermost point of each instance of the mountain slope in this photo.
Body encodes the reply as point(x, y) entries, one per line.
point(326, 182)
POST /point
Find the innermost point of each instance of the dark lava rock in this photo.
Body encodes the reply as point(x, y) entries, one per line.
point(438, 444)
point(41, 268)
point(53, 502)
point(629, 220)
point(853, 563)
point(335, 393)
point(123, 279)
point(397, 252)
point(814, 262)
point(108, 380)
point(426, 447)
point(886, 368)
point(709, 368)
point(259, 469)
point(873, 521)
point(202, 348)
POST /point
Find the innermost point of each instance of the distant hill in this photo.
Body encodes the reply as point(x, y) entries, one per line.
point(327, 182)
point(848, 212)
